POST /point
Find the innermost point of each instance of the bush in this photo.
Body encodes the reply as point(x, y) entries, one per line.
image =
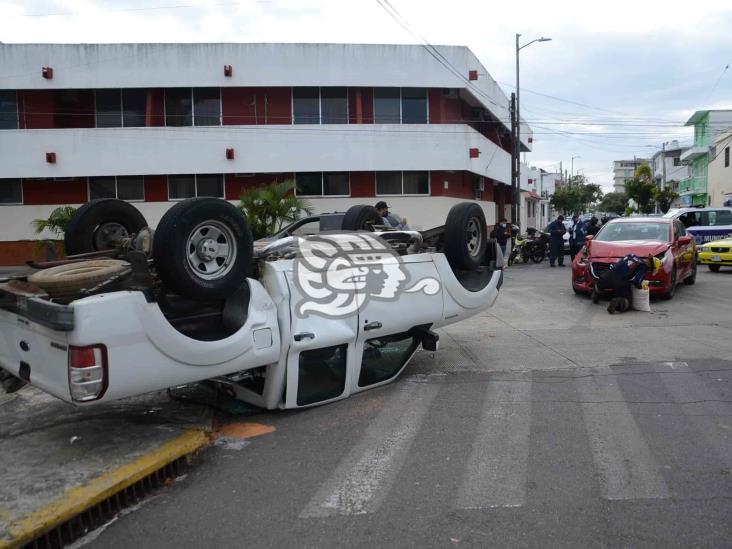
point(271, 207)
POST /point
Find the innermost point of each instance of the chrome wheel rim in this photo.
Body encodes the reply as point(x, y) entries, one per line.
point(211, 250)
point(474, 236)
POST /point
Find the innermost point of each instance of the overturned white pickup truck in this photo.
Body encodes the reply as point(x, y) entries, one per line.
point(294, 322)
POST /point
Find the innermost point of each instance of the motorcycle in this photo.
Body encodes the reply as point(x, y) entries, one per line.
point(533, 246)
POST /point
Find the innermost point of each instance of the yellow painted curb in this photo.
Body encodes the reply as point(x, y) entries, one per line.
point(79, 499)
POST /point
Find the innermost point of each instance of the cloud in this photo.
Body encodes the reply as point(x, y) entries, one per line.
point(642, 67)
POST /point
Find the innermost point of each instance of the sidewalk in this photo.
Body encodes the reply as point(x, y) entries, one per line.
point(57, 460)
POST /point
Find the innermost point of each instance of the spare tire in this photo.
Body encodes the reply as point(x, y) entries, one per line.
point(100, 224)
point(466, 236)
point(361, 218)
point(203, 248)
point(68, 280)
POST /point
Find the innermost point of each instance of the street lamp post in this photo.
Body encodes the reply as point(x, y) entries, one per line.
point(572, 171)
point(517, 141)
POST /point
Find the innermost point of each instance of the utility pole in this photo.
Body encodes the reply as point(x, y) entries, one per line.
point(514, 162)
point(663, 160)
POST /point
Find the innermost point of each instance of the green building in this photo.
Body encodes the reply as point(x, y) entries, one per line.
point(707, 125)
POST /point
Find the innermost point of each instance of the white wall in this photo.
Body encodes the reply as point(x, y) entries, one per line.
point(145, 151)
point(171, 65)
point(420, 212)
point(719, 178)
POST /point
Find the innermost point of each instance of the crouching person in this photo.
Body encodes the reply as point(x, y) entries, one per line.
point(631, 269)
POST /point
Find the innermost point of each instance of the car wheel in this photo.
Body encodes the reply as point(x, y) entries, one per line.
point(713, 268)
point(672, 288)
point(361, 218)
point(466, 236)
point(691, 278)
point(203, 249)
point(538, 256)
point(100, 225)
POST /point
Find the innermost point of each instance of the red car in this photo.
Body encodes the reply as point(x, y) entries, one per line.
point(663, 238)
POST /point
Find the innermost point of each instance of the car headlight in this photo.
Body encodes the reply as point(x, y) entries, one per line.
point(663, 256)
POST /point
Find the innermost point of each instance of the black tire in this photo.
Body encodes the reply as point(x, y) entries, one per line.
point(198, 226)
point(538, 254)
point(713, 268)
point(361, 218)
point(68, 280)
point(691, 278)
point(98, 224)
point(466, 236)
point(672, 289)
point(512, 257)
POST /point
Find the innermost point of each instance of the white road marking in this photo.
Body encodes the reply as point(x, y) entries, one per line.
point(708, 417)
point(495, 475)
point(626, 465)
point(364, 477)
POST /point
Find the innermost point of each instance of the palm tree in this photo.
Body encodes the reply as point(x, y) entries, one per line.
point(270, 207)
point(55, 223)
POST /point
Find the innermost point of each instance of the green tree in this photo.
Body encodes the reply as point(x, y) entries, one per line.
point(641, 188)
point(270, 207)
point(614, 203)
point(575, 196)
point(664, 197)
point(56, 223)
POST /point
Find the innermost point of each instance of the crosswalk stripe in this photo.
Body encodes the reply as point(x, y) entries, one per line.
point(495, 475)
point(621, 454)
point(364, 477)
point(697, 402)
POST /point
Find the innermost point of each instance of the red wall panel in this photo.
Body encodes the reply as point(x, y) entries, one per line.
point(488, 194)
point(48, 191)
point(363, 184)
point(242, 106)
point(155, 109)
point(459, 184)
point(35, 109)
point(156, 188)
point(235, 186)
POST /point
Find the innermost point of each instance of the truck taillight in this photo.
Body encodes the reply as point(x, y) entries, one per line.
point(87, 372)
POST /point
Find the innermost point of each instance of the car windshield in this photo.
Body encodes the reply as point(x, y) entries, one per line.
point(641, 230)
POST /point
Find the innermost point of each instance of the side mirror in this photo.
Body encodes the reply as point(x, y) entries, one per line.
point(684, 240)
point(589, 237)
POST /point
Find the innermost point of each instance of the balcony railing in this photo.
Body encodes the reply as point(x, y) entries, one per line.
point(693, 185)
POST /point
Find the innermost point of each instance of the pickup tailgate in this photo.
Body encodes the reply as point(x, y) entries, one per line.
point(34, 352)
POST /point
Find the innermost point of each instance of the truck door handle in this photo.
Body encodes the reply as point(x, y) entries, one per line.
point(303, 335)
point(372, 326)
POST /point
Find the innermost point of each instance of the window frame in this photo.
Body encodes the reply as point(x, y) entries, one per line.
point(22, 196)
point(320, 110)
point(401, 174)
point(121, 110)
point(426, 102)
point(373, 106)
point(322, 186)
point(116, 187)
point(193, 109)
point(17, 116)
point(195, 185)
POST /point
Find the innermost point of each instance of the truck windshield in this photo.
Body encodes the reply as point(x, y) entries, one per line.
point(642, 230)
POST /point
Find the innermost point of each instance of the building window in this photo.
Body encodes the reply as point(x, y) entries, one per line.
point(189, 186)
point(178, 107)
point(11, 191)
point(726, 157)
point(306, 105)
point(414, 105)
point(131, 187)
point(677, 161)
point(134, 107)
point(8, 110)
point(322, 184)
point(334, 105)
point(387, 106)
point(407, 183)
point(108, 108)
point(207, 106)
point(74, 109)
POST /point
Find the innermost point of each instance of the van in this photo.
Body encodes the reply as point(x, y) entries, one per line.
point(704, 224)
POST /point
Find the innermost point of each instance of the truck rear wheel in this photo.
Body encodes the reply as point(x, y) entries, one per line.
point(100, 225)
point(466, 236)
point(203, 248)
point(361, 218)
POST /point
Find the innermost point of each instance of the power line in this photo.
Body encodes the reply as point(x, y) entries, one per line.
point(714, 88)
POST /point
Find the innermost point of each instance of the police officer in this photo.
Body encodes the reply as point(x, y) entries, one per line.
point(556, 241)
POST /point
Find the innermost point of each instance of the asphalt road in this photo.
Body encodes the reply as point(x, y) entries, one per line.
point(543, 423)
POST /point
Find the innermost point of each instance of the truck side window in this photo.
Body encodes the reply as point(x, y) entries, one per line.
point(322, 374)
point(720, 217)
point(383, 357)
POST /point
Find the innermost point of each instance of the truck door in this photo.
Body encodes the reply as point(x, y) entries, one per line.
point(387, 338)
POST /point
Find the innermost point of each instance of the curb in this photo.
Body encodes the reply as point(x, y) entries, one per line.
point(81, 498)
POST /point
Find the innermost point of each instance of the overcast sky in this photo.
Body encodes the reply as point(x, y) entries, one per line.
point(638, 68)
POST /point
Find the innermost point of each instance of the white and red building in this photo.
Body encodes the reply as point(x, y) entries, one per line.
point(155, 123)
